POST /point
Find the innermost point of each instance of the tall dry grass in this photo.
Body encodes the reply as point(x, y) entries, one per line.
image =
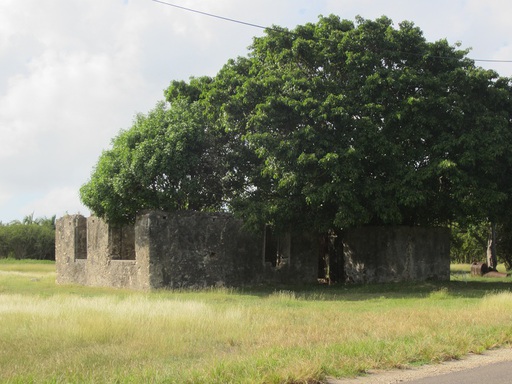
point(77, 334)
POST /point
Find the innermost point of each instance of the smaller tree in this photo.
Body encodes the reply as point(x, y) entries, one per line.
point(168, 160)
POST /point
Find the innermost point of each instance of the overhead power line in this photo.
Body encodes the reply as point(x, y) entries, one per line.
point(280, 30)
point(210, 15)
point(492, 61)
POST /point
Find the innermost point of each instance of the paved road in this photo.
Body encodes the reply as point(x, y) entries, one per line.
point(498, 373)
point(490, 367)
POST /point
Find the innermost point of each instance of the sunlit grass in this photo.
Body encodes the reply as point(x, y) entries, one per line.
point(467, 268)
point(83, 334)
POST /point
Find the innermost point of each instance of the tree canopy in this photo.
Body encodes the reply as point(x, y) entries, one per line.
point(332, 125)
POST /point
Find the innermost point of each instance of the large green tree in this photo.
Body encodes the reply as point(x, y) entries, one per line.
point(366, 124)
point(331, 125)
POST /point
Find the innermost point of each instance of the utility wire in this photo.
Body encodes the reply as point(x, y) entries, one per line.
point(285, 31)
point(210, 14)
point(492, 61)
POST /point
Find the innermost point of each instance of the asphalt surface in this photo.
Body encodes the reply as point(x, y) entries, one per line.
point(490, 367)
point(498, 373)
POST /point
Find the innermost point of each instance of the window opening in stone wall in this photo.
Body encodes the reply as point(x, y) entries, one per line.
point(80, 239)
point(276, 249)
point(121, 243)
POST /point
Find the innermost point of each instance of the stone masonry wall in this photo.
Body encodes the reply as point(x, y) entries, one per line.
point(386, 254)
point(196, 249)
point(71, 249)
point(107, 265)
point(89, 252)
point(179, 249)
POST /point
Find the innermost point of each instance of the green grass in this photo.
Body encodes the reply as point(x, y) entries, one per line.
point(458, 268)
point(63, 334)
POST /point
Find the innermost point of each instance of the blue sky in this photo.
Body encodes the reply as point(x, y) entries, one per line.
point(75, 72)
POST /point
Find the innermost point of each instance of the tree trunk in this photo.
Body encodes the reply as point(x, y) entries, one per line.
point(492, 259)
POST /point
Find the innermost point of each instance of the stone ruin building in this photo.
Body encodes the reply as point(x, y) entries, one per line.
point(198, 249)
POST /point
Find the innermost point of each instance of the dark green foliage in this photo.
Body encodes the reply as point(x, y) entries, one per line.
point(29, 239)
point(366, 124)
point(329, 126)
point(504, 243)
point(469, 242)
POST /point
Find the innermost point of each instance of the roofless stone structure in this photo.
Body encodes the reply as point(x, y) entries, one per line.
point(198, 249)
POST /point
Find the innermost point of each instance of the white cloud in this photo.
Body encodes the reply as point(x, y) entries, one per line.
point(61, 104)
point(75, 72)
point(57, 201)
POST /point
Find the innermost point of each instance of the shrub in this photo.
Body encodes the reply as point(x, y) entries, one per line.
point(30, 239)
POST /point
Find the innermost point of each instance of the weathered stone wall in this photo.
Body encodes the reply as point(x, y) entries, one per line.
point(107, 265)
point(196, 249)
point(106, 261)
point(71, 249)
point(385, 254)
point(179, 249)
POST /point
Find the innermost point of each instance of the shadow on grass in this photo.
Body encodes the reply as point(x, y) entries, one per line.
point(461, 286)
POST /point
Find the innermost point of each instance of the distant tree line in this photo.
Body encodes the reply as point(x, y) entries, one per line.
point(31, 238)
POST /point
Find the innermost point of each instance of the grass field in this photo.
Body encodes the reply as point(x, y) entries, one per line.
point(74, 334)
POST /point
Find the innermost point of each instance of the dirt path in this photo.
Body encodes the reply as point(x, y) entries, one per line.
point(405, 375)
